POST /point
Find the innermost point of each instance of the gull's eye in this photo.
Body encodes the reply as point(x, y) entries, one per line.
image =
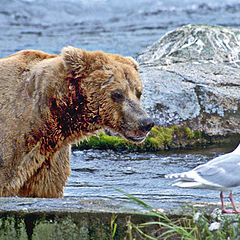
point(117, 96)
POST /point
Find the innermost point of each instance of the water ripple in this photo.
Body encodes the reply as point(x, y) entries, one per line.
point(97, 174)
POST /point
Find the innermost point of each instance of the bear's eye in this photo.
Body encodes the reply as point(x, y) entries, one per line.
point(138, 94)
point(117, 96)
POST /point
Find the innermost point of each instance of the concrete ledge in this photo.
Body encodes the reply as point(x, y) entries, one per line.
point(35, 219)
point(84, 219)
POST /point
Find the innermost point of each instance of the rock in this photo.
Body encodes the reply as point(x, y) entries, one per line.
point(192, 76)
point(52, 219)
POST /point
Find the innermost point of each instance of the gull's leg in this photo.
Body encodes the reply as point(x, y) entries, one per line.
point(224, 210)
point(233, 204)
point(222, 201)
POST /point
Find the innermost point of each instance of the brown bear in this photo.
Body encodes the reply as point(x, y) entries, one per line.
point(48, 101)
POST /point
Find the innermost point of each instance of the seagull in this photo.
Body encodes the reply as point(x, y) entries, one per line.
point(221, 173)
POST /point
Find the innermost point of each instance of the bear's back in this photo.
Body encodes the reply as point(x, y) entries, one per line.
point(14, 68)
point(15, 102)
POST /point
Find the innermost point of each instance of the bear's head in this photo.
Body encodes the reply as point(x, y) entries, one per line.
point(111, 90)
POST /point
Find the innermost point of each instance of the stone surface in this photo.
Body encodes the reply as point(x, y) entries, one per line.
point(192, 76)
point(67, 218)
point(37, 219)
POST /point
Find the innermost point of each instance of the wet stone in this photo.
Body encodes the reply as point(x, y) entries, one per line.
point(191, 76)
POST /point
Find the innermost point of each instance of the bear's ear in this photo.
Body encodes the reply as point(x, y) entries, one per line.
point(133, 62)
point(75, 59)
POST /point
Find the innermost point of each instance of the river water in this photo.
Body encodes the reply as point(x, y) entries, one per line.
point(124, 27)
point(97, 174)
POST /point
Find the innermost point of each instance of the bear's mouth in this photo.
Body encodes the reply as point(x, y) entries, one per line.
point(135, 138)
point(134, 135)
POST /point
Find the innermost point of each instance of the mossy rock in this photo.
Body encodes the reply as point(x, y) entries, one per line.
point(160, 138)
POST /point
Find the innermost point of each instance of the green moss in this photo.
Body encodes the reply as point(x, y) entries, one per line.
point(159, 138)
point(103, 141)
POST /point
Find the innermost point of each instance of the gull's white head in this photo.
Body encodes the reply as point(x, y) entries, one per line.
point(237, 150)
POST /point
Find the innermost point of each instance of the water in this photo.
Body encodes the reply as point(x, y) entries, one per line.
point(124, 27)
point(97, 174)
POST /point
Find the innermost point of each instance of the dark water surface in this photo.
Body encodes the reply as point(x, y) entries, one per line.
point(97, 174)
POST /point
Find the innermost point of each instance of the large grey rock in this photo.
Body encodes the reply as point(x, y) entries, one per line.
point(192, 76)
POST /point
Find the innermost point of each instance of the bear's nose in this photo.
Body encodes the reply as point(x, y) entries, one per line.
point(146, 124)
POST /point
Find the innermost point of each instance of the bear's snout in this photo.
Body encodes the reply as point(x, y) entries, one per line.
point(146, 124)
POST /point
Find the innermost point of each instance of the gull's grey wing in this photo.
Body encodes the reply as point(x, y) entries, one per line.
point(223, 170)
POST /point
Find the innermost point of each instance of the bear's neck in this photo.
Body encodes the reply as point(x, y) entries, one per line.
point(70, 118)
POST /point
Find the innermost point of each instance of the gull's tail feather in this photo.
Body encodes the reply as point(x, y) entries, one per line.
point(191, 179)
point(184, 180)
point(186, 184)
